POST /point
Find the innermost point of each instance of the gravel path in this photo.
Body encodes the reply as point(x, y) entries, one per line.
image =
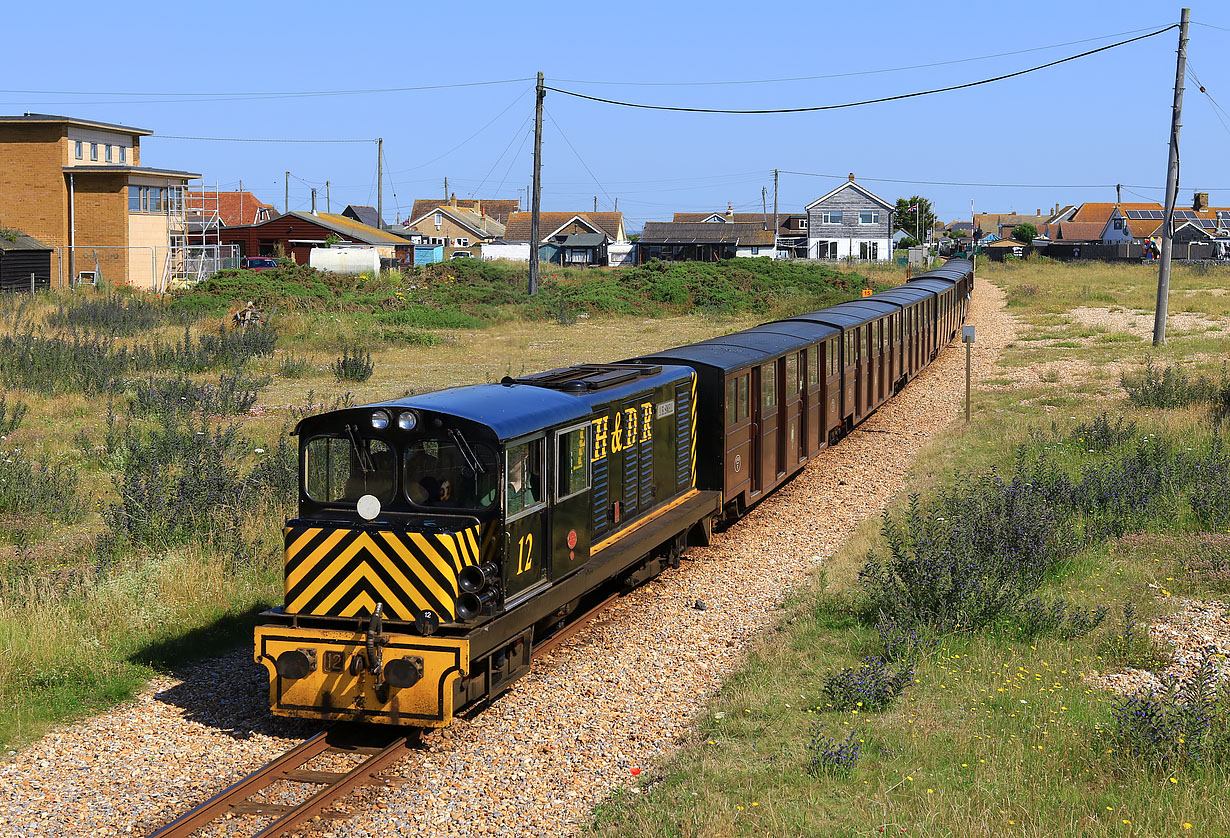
point(618, 696)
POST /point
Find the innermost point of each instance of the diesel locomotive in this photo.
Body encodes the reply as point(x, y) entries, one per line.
point(441, 536)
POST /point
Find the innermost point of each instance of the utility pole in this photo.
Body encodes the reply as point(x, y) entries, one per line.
point(287, 191)
point(764, 208)
point(328, 200)
point(446, 189)
point(1118, 194)
point(380, 183)
point(616, 203)
point(595, 203)
point(313, 200)
point(536, 200)
point(775, 222)
point(241, 221)
point(1172, 187)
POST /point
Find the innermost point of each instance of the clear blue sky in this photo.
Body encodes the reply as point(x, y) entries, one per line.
point(1101, 120)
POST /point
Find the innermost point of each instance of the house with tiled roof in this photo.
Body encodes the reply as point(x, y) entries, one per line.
point(498, 209)
point(791, 226)
point(230, 208)
point(455, 227)
point(573, 238)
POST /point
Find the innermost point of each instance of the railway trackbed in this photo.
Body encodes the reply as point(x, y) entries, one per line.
point(379, 748)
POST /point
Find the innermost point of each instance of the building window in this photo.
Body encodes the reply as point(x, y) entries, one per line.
point(439, 220)
point(830, 217)
point(123, 154)
point(461, 242)
point(869, 251)
point(109, 154)
point(78, 150)
point(802, 223)
point(93, 151)
point(1118, 223)
point(869, 217)
point(755, 251)
point(437, 241)
point(134, 199)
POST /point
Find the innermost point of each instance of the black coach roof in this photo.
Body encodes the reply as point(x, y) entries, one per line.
point(933, 283)
point(725, 357)
point(810, 331)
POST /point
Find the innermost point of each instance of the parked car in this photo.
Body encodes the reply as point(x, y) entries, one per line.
point(461, 254)
point(258, 263)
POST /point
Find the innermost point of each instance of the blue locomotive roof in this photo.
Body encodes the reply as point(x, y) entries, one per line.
point(514, 410)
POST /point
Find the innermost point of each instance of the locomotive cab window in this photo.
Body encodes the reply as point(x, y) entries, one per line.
point(444, 473)
point(338, 471)
point(571, 462)
point(523, 478)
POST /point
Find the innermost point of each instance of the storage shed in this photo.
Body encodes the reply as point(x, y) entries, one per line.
point(23, 257)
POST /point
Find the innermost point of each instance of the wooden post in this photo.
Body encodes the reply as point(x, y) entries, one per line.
point(380, 183)
point(286, 206)
point(1172, 187)
point(968, 349)
point(536, 200)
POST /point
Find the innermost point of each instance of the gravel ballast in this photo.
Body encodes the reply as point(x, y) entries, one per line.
point(614, 699)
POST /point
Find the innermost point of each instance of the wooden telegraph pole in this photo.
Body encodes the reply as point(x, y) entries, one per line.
point(775, 213)
point(288, 191)
point(1172, 187)
point(536, 200)
point(380, 182)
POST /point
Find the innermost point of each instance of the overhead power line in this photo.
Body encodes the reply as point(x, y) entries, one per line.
point(986, 185)
point(854, 72)
point(899, 96)
point(251, 139)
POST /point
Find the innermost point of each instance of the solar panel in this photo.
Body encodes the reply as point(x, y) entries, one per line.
point(1134, 214)
point(1186, 215)
point(1156, 215)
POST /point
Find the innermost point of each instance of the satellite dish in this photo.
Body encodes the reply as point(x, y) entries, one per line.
point(369, 507)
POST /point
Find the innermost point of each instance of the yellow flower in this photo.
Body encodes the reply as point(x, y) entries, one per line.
point(1173, 780)
point(1187, 825)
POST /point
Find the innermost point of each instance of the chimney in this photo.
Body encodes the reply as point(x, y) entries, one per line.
point(730, 212)
point(452, 200)
point(1200, 201)
point(1038, 211)
point(852, 177)
point(478, 208)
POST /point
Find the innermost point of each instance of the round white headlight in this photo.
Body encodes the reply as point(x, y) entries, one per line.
point(368, 507)
point(380, 419)
point(407, 420)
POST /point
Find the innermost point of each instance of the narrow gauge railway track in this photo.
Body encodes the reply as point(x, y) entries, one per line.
point(383, 747)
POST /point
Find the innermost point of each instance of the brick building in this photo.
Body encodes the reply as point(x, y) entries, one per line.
point(77, 185)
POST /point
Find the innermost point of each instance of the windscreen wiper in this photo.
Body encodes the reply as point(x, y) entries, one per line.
point(466, 451)
point(361, 452)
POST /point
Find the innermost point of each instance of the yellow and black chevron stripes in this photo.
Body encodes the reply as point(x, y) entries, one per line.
point(344, 572)
point(692, 437)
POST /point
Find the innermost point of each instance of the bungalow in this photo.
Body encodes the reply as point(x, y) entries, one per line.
point(672, 241)
point(294, 234)
point(850, 222)
point(499, 209)
point(573, 238)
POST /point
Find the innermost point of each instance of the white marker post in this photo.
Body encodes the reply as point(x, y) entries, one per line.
point(967, 338)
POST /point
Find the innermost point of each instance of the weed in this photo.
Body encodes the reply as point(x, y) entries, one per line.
point(30, 489)
point(827, 755)
point(353, 365)
point(1100, 434)
point(294, 366)
point(234, 394)
point(11, 415)
point(872, 686)
point(1169, 386)
point(114, 314)
point(902, 641)
point(1127, 644)
point(1035, 617)
point(1181, 725)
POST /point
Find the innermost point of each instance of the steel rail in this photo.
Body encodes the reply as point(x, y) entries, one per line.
point(237, 799)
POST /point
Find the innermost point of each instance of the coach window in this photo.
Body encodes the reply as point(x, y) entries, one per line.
point(831, 361)
point(572, 462)
point(732, 401)
point(862, 342)
point(768, 385)
point(745, 407)
point(523, 478)
point(792, 373)
point(813, 366)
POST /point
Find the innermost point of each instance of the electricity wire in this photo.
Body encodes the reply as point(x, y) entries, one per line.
point(855, 72)
point(513, 139)
point(882, 99)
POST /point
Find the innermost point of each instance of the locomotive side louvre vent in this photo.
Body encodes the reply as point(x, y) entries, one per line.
point(586, 377)
point(683, 435)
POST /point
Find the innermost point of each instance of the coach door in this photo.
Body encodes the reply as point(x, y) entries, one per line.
point(739, 460)
point(525, 513)
point(766, 416)
point(570, 530)
point(794, 435)
point(849, 374)
point(831, 364)
point(813, 406)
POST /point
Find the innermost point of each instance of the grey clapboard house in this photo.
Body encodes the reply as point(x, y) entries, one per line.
point(851, 222)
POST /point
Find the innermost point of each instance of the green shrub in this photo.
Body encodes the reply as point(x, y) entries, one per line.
point(353, 365)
